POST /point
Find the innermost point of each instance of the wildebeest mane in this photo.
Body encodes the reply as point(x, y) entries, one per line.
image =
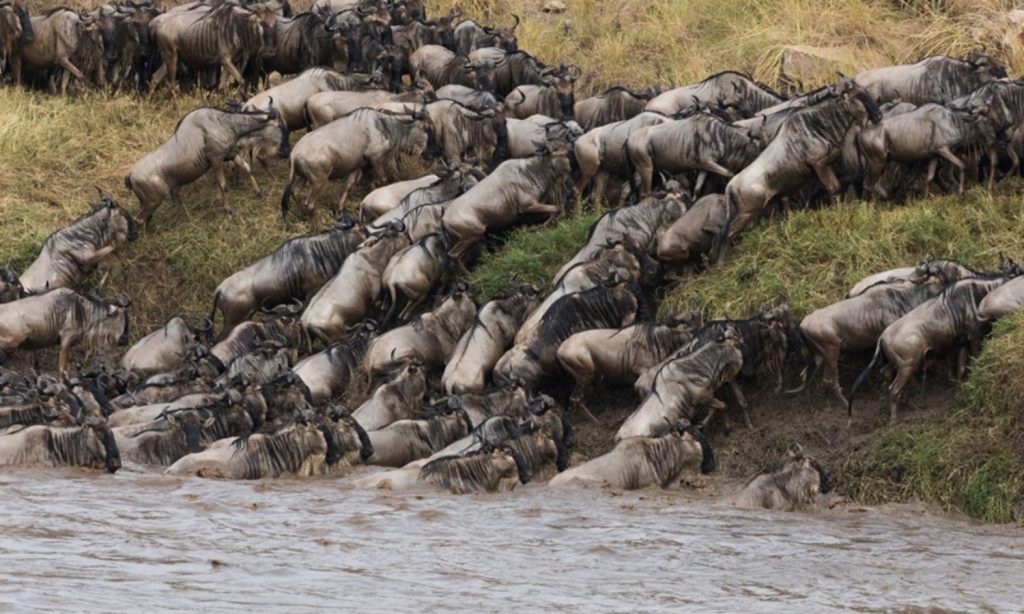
point(593, 308)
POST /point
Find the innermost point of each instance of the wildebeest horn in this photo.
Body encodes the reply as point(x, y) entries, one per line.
point(515, 24)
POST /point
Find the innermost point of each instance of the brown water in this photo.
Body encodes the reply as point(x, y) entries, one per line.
point(74, 541)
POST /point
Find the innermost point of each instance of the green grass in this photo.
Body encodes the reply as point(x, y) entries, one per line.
point(531, 255)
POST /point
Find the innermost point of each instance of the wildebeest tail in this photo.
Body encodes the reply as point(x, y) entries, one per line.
point(307, 119)
point(863, 376)
point(634, 185)
point(732, 209)
point(213, 314)
point(285, 199)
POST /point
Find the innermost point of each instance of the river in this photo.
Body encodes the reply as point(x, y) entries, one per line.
point(76, 541)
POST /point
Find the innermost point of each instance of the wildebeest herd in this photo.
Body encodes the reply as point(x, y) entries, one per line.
point(445, 391)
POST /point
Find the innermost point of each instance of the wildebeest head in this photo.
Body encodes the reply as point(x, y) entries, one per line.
point(107, 27)
point(265, 15)
point(10, 286)
point(482, 76)
point(850, 89)
point(121, 224)
point(985, 65)
point(445, 28)
point(804, 473)
point(109, 323)
point(21, 10)
point(105, 441)
point(707, 462)
point(562, 83)
point(505, 37)
point(191, 423)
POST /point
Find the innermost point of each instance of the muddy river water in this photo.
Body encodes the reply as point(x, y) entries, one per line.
point(75, 541)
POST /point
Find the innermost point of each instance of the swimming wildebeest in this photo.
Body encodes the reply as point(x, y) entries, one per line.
point(91, 445)
point(65, 318)
point(311, 445)
point(204, 139)
point(640, 462)
point(404, 441)
point(72, 253)
point(793, 486)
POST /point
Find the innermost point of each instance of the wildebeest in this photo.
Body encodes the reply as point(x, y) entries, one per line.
point(621, 354)
point(796, 484)
point(54, 40)
point(412, 273)
point(693, 233)
point(404, 441)
point(489, 469)
point(686, 383)
point(204, 139)
point(306, 40)
point(642, 224)
point(927, 133)
point(702, 142)
point(623, 260)
point(514, 189)
point(472, 98)
point(453, 181)
point(91, 445)
point(396, 399)
point(1003, 300)
point(162, 350)
point(15, 30)
point(727, 90)
point(512, 69)
point(280, 327)
point(69, 255)
point(385, 198)
point(469, 36)
point(166, 439)
point(221, 36)
point(65, 318)
point(429, 339)
point(615, 104)
point(937, 79)
point(416, 33)
point(943, 323)
point(856, 323)
point(311, 445)
point(294, 271)
point(601, 152)
point(290, 97)
point(10, 286)
point(525, 136)
point(325, 107)
point(639, 462)
point(441, 67)
point(611, 305)
point(345, 146)
point(327, 374)
point(809, 141)
point(348, 296)
point(554, 97)
point(490, 335)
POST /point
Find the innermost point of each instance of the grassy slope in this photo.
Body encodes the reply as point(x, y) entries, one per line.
point(52, 151)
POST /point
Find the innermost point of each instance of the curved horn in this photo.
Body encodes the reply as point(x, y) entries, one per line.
point(515, 23)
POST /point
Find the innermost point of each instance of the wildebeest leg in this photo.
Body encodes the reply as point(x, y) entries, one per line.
point(955, 161)
point(98, 256)
point(222, 183)
point(827, 177)
point(742, 400)
point(542, 208)
point(903, 375)
point(713, 406)
point(961, 363)
point(993, 161)
point(62, 357)
point(247, 169)
point(71, 68)
point(352, 178)
point(411, 307)
point(230, 67)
